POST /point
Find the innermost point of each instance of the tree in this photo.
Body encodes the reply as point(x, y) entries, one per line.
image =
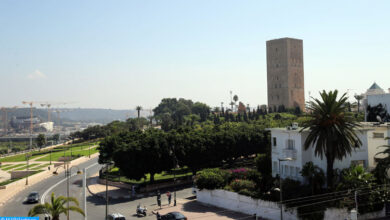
point(331, 131)
point(314, 176)
point(358, 98)
point(41, 140)
point(377, 112)
point(56, 138)
point(354, 179)
point(383, 163)
point(138, 108)
point(201, 109)
point(235, 98)
point(56, 207)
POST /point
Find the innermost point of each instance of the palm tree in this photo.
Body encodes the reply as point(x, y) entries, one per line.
point(56, 207)
point(138, 108)
point(314, 176)
point(331, 131)
point(235, 98)
point(358, 98)
point(383, 163)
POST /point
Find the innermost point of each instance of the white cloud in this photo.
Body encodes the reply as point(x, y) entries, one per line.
point(37, 75)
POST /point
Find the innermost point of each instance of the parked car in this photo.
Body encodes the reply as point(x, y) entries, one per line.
point(33, 197)
point(116, 216)
point(173, 216)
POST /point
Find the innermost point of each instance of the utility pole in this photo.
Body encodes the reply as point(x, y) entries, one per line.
point(356, 202)
point(31, 131)
point(85, 193)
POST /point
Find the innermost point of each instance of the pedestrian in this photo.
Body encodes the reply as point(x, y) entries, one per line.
point(132, 191)
point(158, 198)
point(158, 216)
point(169, 197)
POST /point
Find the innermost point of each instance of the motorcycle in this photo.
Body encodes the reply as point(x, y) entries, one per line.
point(141, 211)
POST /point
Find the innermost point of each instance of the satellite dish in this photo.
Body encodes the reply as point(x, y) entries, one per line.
point(379, 118)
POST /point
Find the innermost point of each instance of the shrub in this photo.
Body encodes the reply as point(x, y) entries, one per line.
point(238, 184)
point(212, 179)
point(264, 164)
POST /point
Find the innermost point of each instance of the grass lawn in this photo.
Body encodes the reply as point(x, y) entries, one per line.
point(164, 176)
point(14, 166)
point(13, 180)
point(75, 151)
point(25, 166)
point(58, 150)
point(5, 165)
point(41, 166)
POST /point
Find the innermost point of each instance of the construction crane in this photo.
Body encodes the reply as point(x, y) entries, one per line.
point(5, 111)
point(59, 111)
point(48, 105)
point(30, 103)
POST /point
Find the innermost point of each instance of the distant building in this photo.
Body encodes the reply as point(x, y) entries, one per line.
point(374, 96)
point(288, 143)
point(285, 77)
point(23, 123)
point(47, 126)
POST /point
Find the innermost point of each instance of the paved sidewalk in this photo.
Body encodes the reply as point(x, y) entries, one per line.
point(97, 189)
point(4, 176)
point(195, 210)
point(17, 186)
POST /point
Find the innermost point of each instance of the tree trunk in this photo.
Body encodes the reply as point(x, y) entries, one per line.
point(56, 218)
point(329, 171)
point(151, 177)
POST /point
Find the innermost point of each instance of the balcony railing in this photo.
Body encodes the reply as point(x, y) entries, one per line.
point(291, 153)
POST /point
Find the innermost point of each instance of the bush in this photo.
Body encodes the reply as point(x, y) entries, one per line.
point(212, 179)
point(238, 185)
point(264, 164)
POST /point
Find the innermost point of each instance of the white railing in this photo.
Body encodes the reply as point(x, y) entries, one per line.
point(290, 153)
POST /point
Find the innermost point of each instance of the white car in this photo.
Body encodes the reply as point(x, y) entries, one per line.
point(116, 216)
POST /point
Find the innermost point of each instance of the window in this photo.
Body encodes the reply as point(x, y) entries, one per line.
point(292, 171)
point(276, 167)
point(297, 171)
point(358, 163)
point(379, 135)
point(290, 144)
point(274, 141)
point(286, 170)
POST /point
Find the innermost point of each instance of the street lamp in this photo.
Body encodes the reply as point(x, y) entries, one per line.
point(68, 173)
point(280, 184)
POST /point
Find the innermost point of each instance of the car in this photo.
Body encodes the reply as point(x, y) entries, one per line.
point(33, 197)
point(116, 216)
point(173, 216)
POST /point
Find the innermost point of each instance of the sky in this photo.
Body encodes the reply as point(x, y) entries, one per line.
point(120, 54)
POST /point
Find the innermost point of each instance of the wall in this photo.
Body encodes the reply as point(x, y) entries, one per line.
point(233, 201)
point(266, 209)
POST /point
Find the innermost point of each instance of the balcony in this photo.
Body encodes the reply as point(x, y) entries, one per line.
point(291, 153)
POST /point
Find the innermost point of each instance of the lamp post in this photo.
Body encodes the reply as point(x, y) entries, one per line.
point(280, 185)
point(68, 172)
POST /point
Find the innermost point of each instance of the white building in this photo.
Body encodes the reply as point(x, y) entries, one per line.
point(288, 143)
point(374, 96)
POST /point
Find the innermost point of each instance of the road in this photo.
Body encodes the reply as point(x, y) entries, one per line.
point(95, 205)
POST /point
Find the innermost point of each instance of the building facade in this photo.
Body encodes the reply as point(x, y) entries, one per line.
point(285, 76)
point(288, 143)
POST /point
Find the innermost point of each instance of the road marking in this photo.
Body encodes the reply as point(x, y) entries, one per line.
point(58, 183)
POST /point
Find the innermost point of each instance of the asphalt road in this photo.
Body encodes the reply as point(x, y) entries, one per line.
point(17, 206)
point(95, 205)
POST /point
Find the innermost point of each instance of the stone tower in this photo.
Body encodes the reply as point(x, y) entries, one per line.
point(285, 73)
